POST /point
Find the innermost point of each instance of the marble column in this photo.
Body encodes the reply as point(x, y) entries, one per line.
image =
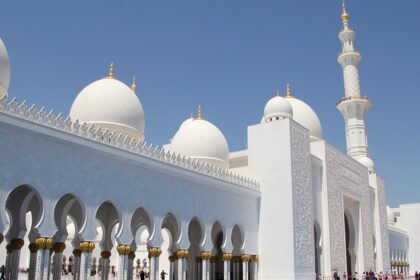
point(236, 261)
point(199, 267)
point(171, 267)
point(33, 249)
point(245, 266)
point(255, 264)
point(154, 253)
point(77, 253)
point(43, 259)
point(227, 258)
point(205, 266)
point(131, 257)
point(123, 251)
point(58, 249)
point(12, 270)
point(105, 255)
point(182, 256)
point(86, 248)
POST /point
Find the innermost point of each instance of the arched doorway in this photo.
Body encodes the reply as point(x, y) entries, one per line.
point(350, 243)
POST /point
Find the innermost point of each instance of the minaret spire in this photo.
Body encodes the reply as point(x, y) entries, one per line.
point(200, 113)
point(134, 85)
point(353, 106)
point(111, 71)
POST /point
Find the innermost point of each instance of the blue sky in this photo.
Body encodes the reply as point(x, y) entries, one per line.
point(229, 56)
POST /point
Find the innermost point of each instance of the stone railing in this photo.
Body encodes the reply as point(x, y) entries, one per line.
point(120, 141)
point(361, 97)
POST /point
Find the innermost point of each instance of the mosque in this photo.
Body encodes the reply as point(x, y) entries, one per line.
point(87, 195)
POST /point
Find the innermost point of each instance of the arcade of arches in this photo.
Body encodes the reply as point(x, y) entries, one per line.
point(47, 257)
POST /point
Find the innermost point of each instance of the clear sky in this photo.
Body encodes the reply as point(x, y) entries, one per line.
point(229, 56)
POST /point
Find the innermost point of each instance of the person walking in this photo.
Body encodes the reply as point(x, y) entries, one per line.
point(2, 272)
point(142, 274)
point(162, 274)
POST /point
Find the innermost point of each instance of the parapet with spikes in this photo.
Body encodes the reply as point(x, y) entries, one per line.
point(120, 141)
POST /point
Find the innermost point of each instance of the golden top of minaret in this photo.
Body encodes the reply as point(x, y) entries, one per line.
point(133, 85)
point(111, 71)
point(345, 16)
point(200, 113)
point(288, 91)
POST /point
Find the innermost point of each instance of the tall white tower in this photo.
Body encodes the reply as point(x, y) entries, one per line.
point(353, 106)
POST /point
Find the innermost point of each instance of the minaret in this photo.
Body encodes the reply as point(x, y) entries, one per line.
point(353, 106)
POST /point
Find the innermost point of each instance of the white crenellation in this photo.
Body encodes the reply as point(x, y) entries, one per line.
point(120, 141)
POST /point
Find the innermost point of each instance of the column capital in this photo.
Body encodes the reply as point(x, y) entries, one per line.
point(182, 254)
point(198, 259)
point(205, 255)
point(16, 244)
point(154, 252)
point(105, 254)
point(245, 258)
point(44, 243)
point(171, 258)
point(33, 248)
point(213, 259)
point(123, 249)
point(77, 253)
point(87, 246)
point(59, 247)
point(131, 255)
point(255, 258)
point(236, 259)
point(227, 257)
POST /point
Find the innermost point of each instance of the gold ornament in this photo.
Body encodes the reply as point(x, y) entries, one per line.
point(205, 255)
point(245, 258)
point(255, 258)
point(59, 247)
point(105, 254)
point(131, 255)
point(345, 16)
point(133, 85)
point(200, 113)
point(33, 248)
point(87, 246)
point(111, 71)
point(182, 254)
point(16, 244)
point(155, 252)
point(124, 249)
point(227, 257)
point(77, 253)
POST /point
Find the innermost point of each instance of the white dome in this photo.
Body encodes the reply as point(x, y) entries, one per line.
point(368, 162)
point(277, 108)
point(4, 69)
point(200, 139)
point(304, 115)
point(112, 105)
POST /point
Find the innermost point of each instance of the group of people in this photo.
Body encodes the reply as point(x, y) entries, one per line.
point(371, 275)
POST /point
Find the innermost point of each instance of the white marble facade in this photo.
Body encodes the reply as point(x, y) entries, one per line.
point(89, 188)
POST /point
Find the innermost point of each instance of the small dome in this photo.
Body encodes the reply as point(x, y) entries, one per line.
point(200, 139)
point(277, 108)
point(304, 115)
point(368, 162)
point(112, 105)
point(4, 70)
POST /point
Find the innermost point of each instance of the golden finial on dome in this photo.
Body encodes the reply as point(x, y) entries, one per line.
point(277, 92)
point(288, 91)
point(200, 113)
point(111, 71)
point(345, 16)
point(133, 85)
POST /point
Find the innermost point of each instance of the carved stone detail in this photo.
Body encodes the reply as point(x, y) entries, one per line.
point(346, 175)
point(383, 223)
point(302, 198)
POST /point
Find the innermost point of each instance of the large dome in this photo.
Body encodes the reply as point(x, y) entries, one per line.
point(4, 69)
point(200, 139)
point(304, 115)
point(277, 108)
point(110, 104)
